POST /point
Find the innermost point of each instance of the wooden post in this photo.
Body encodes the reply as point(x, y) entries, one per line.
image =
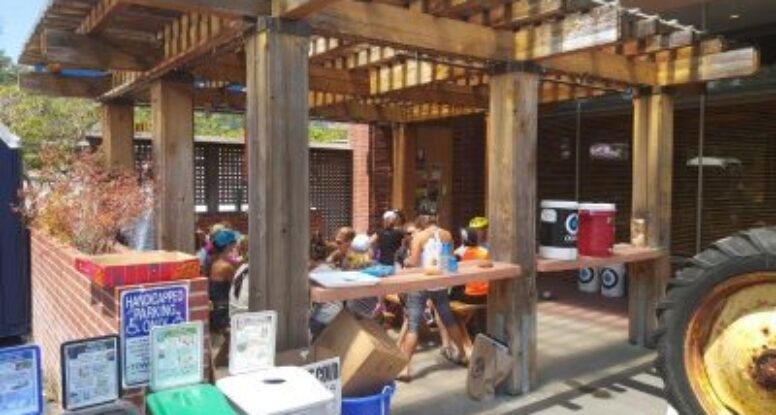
point(278, 165)
point(512, 147)
point(402, 156)
point(172, 112)
point(212, 178)
point(118, 133)
point(653, 128)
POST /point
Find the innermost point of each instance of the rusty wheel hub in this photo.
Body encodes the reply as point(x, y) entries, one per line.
point(764, 372)
point(730, 347)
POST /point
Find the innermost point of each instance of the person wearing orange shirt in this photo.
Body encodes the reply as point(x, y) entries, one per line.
point(474, 292)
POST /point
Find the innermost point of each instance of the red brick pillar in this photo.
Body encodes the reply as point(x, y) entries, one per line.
point(359, 142)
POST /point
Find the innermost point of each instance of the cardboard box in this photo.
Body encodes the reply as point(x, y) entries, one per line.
point(303, 356)
point(370, 359)
point(114, 270)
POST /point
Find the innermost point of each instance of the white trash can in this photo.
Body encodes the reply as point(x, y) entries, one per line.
point(277, 391)
point(612, 280)
point(588, 280)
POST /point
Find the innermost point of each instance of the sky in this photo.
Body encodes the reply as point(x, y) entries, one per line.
point(17, 18)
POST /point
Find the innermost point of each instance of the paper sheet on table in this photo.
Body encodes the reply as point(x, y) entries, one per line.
point(338, 279)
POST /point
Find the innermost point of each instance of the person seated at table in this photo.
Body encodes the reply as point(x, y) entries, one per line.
point(425, 251)
point(342, 240)
point(480, 225)
point(321, 314)
point(388, 240)
point(474, 292)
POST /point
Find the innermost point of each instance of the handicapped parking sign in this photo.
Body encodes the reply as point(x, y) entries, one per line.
point(141, 310)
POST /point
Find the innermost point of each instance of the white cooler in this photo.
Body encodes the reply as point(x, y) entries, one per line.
point(277, 391)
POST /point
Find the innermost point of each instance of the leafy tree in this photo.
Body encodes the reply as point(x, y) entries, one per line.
point(41, 121)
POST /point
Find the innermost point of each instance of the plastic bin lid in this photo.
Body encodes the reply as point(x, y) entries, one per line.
point(201, 399)
point(278, 390)
point(560, 204)
point(598, 207)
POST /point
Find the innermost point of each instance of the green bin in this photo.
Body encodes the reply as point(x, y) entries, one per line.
point(203, 399)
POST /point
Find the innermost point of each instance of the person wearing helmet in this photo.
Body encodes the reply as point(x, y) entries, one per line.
point(480, 225)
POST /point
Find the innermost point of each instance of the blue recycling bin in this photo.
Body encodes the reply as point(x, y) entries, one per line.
point(377, 404)
point(15, 278)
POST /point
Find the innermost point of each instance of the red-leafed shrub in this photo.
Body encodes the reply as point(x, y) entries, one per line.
point(77, 199)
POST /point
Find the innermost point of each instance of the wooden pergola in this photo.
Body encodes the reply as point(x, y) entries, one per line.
point(398, 61)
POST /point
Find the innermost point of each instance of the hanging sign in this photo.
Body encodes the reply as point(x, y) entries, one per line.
point(90, 372)
point(328, 373)
point(141, 310)
point(20, 381)
point(252, 345)
point(176, 355)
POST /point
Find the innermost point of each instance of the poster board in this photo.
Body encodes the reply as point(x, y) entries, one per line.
point(141, 310)
point(21, 392)
point(252, 345)
point(328, 373)
point(176, 355)
point(91, 372)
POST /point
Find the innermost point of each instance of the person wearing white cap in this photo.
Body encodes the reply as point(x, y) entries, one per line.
point(388, 240)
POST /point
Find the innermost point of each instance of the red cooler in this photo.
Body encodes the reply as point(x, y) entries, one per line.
point(596, 229)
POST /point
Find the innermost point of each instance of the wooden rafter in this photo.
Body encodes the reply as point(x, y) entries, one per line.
point(69, 49)
point(234, 8)
point(100, 16)
point(62, 86)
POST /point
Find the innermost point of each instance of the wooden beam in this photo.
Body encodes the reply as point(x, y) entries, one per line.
point(600, 26)
point(118, 134)
point(69, 49)
point(172, 136)
point(63, 86)
point(100, 15)
point(338, 81)
point(389, 25)
point(357, 112)
point(297, 9)
point(512, 161)
point(604, 66)
point(730, 64)
point(242, 8)
point(220, 33)
point(278, 166)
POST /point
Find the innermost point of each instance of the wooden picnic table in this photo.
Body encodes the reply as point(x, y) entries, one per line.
point(413, 279)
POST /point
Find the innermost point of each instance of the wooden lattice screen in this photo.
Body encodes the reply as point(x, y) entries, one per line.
point(220, 186)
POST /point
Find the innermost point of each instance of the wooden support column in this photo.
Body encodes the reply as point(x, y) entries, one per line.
point(512, 148)
point(278, 182)
point(401, 158)
point(118, 133)
point(653, 128)
point(172, 112)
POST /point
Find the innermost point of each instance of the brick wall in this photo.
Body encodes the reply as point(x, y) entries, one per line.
point(66, 306)
point(359, 142)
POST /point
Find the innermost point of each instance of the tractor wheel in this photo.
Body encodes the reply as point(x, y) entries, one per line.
point(717, 333)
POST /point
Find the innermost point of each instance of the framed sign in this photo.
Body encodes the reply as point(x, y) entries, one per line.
point(141, 310)
point(176, 355)
point(252, 345)
point(91, 372)
point(20, 381)
point(328, 372)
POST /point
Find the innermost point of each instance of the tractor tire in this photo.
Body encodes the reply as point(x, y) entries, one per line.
point(719, 319)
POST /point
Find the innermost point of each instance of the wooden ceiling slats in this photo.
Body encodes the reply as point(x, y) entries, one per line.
point(585, 48)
